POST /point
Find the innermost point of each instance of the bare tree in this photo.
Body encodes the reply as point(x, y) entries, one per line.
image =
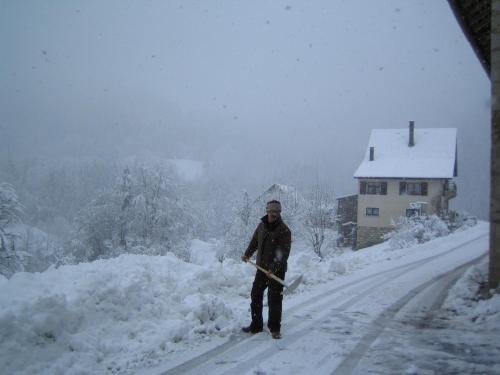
point(318, 217)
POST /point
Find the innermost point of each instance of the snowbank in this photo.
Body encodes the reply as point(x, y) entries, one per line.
point(463, 302)
point(93, 317)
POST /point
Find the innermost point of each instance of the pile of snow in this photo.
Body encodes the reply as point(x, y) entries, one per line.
point(202, 253)
point(465, 305)
point(313, 270)
point(95, 317)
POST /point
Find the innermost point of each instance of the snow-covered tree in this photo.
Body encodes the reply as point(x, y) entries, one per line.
point(456, 220)
point(318, 217)
point(245, 209)
point(11, 211)
point(410, 231)
point(96, 226)
point(145, 212)
point(214, 203)
point(241, 230)
point(125, 194)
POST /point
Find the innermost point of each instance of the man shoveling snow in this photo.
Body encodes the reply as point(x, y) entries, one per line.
point(272, 240)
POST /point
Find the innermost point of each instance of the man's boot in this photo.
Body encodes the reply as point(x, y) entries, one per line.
point(251, 329)
point(276, 335)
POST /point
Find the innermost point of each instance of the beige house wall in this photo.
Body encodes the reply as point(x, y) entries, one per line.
point(393, 205)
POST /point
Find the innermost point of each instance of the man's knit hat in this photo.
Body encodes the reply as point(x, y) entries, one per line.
point(273, 206)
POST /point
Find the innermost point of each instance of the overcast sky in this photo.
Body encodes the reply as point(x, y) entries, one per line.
point(261, 91)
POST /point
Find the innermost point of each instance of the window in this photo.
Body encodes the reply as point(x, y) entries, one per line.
point(373, 188)
point(371, 211)
point(413, 188)
point(413, 212)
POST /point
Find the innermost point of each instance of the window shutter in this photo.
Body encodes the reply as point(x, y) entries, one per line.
point(384, 188)
point(424, 188)
point(362, 187)
point(402, 187)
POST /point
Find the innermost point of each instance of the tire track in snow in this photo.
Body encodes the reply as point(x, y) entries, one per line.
point(412, 265)
point(296, 335)
point(448, 279)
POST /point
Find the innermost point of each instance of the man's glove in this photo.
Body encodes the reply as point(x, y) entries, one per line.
point(244, 258)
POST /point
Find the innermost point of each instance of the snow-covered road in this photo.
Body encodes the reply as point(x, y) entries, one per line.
point(332, 329)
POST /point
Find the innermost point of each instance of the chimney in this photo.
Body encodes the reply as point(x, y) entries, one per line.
point(372, 152)
point(411, 141)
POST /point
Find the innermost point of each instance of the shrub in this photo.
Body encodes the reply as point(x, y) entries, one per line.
point(413, 230)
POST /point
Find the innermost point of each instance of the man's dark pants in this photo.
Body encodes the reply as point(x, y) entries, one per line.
point(274, 298)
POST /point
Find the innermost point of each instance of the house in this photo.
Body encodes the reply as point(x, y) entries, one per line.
point(404, 172)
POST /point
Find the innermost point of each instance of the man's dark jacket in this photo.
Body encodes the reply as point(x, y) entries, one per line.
point(272, 242)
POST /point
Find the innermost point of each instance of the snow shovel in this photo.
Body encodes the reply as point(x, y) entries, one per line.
point(289, 287)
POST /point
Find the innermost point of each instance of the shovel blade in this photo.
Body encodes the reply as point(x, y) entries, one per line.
point(290, 288)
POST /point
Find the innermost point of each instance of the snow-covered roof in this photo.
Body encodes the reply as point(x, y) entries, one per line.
point(432, 156)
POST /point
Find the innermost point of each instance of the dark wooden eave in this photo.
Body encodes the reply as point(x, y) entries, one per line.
point(474, 17)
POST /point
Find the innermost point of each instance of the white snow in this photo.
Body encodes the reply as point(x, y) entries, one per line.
point(466, 309)
point(202, 253)
point(144, 314)
point(111, 314)
point(432, 156)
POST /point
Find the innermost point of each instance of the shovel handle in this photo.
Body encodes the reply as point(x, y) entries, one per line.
point(270, 274)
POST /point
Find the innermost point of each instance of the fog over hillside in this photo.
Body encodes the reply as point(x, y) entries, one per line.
point(259, 92)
